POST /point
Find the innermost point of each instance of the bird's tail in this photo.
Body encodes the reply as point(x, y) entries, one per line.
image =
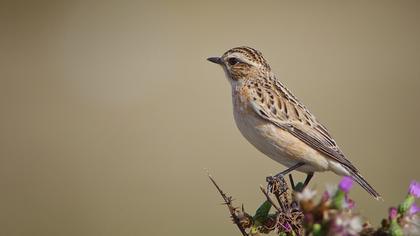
point(364, 184)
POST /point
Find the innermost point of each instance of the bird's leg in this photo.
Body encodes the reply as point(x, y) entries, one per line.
point(290, 169)
point(292, 182)
point(308, 178)
point(274, 181)
point(285, 172)
point(300, 187)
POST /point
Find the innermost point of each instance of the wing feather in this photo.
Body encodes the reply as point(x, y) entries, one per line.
point(289, 114)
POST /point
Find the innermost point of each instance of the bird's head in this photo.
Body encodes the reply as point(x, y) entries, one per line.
point(242, 63)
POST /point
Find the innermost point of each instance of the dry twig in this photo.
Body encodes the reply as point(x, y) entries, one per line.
point(232, 209)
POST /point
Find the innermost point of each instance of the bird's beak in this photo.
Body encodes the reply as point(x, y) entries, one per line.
point(216, 60)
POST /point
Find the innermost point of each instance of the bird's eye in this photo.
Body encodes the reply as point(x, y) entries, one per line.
point(233, 61)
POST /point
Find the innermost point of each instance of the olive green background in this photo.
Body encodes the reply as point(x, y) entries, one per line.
point(110, 114)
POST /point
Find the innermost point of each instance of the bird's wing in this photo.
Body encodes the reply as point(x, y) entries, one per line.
point(274, 103)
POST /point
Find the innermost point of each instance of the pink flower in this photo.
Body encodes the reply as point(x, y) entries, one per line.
point(414, 189)
point(414, 209)
point(345, 184)
point(393, 212)
point(287, 227)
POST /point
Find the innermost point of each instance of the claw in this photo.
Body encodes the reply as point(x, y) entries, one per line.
point(275, 183)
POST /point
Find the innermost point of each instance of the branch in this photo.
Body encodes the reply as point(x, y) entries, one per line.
point(269, 199)
point(232, 210)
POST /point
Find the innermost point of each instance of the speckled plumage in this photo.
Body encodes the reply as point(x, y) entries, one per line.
point(271, 118)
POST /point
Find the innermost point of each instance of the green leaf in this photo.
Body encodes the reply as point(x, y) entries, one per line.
point(261, 214)
point(299, 187)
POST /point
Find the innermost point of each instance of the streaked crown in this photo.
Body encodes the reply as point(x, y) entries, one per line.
point(242, 62)
point(248, 55)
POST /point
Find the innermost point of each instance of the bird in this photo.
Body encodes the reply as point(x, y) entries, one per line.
point(276, 123)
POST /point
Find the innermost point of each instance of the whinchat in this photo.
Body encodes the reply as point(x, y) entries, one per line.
point(272, 119)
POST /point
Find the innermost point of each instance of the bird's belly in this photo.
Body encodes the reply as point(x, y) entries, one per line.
point(278, 144)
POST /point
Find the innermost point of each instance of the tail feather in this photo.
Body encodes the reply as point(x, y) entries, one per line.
point(365, 185)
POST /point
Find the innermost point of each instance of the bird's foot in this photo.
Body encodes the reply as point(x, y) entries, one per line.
point(276, 184)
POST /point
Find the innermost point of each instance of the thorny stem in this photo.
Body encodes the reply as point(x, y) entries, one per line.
point(269, 199)
point(287, 219)
point(276, 185)
point(283, 207)
point(290, 219)
point(228, 202)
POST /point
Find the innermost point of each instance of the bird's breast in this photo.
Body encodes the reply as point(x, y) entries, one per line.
point(274, 142)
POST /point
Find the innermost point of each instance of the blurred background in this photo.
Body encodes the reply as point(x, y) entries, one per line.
point(110, 113)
